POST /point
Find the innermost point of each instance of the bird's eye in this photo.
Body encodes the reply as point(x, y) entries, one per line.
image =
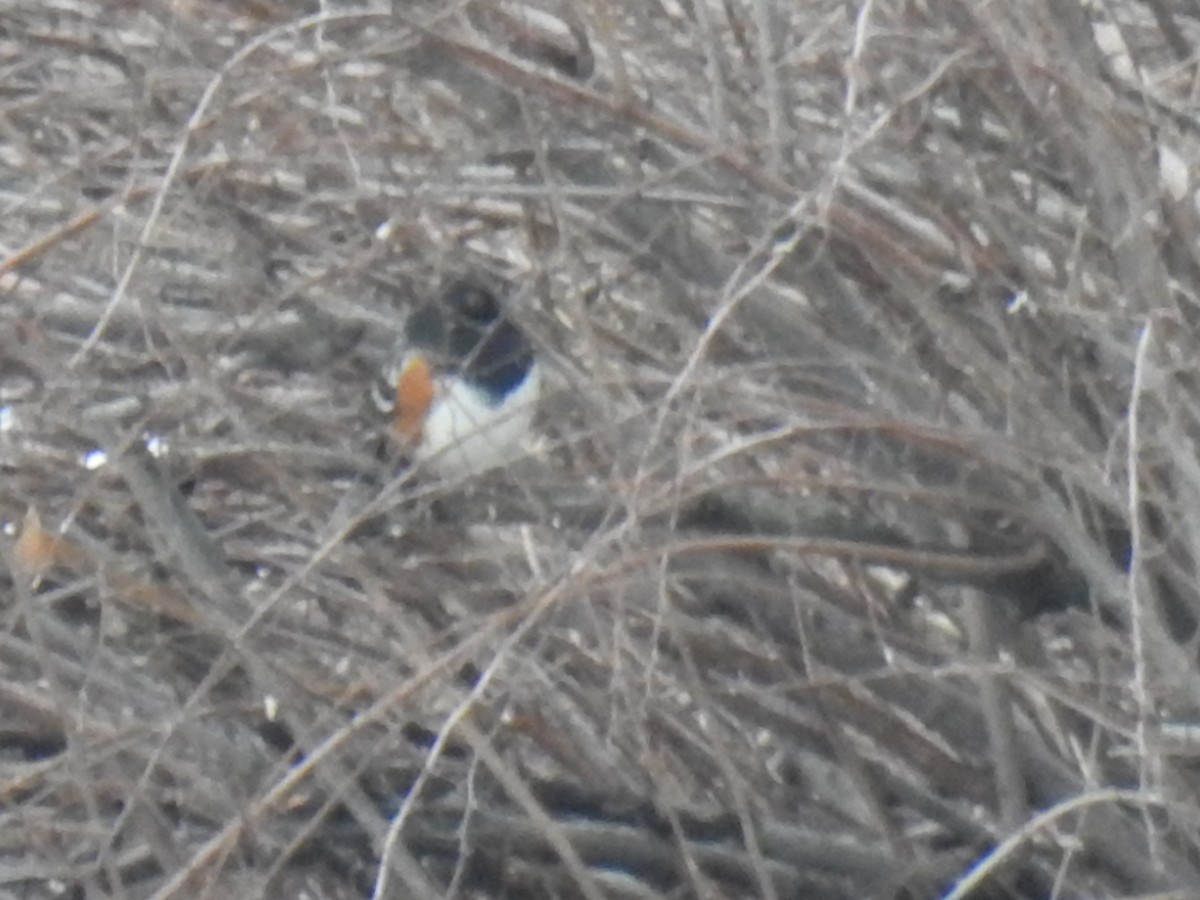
point(475, 302)
point(471, 303)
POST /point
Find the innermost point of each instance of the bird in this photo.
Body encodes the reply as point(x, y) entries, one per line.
point(461, 385)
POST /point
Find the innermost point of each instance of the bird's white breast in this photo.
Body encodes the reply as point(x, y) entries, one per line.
point(465, 434)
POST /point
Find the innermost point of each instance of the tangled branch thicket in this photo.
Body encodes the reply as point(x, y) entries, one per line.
point(853, 556)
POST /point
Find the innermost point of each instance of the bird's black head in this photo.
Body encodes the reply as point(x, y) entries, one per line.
point(471, 303)
point(466, 330)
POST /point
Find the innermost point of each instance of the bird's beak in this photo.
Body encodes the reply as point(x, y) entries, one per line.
point(414, 394)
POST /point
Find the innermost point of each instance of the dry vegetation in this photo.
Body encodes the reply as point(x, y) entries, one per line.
point(856, 554)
